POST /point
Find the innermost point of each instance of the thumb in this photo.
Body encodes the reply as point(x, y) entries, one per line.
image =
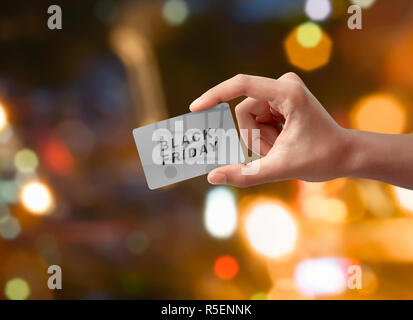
point(241, 175)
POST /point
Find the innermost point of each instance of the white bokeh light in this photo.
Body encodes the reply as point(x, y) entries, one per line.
point(271, 230)
point(318, 10)
point(404, 197)
point(3, 118)
point(220, 216)
point(321, 276)
point(175, 12)
point(363, 3)
point(36, 198)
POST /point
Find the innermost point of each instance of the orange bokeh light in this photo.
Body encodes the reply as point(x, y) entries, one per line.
point(226, 267)
point(308, 58)
point(379, 112)
point(398, 70)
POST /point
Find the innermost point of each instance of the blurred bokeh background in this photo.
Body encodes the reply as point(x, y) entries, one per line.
point(72, 191)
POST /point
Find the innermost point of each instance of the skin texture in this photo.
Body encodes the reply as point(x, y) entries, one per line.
point(311, 146)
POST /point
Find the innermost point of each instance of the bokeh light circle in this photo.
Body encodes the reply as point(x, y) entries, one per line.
point(17, 289)
point(332, 210)
point(3, 118)
point(175, 12)
point(404, 198)
point(259, 296)
point(220, 216)
point(270, 229)
point(36, 198)
point(363, 3)
point(26, 160)
point(318, 10)
point(9, 228)
point(379, 112)
point(321, 276)
point(226, 267)
point(308, 47)
point(309, 34)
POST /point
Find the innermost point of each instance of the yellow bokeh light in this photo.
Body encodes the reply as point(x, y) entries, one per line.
point(17, 289)
point(26, 160)
point(308, 47)
point(270, 229)
point(36, 198)
point(375, 198)
point(379, 112)
point(309, 34)
point(398, 71)
point(259, 296)
point(3, 118)
point(332, 210)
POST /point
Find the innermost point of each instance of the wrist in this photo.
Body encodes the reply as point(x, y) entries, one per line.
point(354, 154)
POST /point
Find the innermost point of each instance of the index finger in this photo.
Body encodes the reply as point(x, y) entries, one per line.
point(259, 88)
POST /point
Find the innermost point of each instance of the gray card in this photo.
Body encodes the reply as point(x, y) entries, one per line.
point(188, 146)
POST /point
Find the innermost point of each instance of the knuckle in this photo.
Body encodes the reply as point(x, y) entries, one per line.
point(292, 76)
point(296, 87)
point(238, 109)
point(295, 91)
point(241, 78)
point(241, 83)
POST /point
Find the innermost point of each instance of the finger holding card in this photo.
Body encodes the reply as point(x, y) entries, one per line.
point(188, 146)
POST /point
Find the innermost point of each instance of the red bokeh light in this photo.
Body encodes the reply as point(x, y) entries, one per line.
point(226, 267)
point(58, 157)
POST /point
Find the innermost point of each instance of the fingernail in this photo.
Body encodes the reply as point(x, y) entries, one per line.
point(195, 103)
point(217, 178)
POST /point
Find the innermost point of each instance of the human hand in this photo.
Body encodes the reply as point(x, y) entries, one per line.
point(298, 138)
